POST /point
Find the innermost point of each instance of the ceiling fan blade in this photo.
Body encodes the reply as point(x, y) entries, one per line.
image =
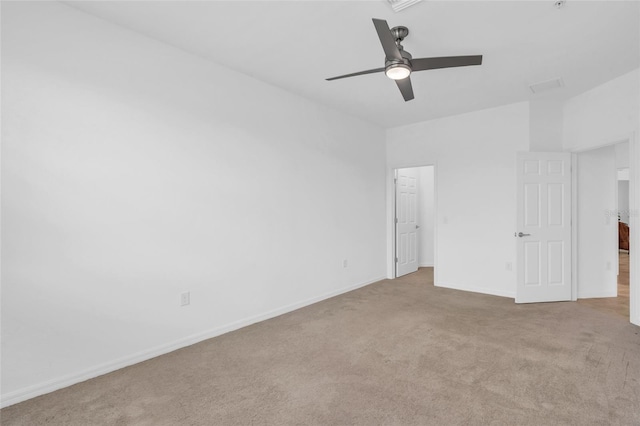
point(357, 73)
point(387, 40)
point(423, 64)
point(405, 88)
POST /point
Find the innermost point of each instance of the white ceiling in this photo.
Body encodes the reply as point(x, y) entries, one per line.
point(295, 45)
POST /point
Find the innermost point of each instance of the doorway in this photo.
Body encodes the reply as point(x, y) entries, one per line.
point(603, 251)
point(414, 219)
point(624, 212)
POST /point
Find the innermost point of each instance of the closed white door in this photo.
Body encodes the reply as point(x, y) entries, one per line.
point(543, 227)
point(406, 221)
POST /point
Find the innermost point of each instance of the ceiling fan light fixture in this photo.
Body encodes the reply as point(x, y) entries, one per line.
point(398, 71)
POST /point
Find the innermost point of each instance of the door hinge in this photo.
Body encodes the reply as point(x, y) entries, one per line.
point(396, 260)
point(395, 180)
point(396, 220)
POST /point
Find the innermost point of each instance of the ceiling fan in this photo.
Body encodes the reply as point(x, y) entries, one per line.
point(399, 63)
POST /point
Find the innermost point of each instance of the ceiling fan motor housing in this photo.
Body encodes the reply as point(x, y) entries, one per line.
point(395, 63)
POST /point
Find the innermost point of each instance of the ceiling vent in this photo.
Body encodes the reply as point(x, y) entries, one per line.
point(398, 5)
point(544, 86)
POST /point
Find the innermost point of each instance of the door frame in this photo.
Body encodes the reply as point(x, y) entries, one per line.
point(391, 224)
point(634, 222)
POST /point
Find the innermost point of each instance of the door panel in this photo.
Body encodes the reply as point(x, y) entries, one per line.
point(555, 260)
point(544, 221)
point(532, 263)
point(532, 203)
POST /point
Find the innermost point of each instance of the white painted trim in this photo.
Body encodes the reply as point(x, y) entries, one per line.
point(425, 265)
point(108, 367)
point(395, 223)
point(435, 222)
point(391, 233)
point(574, 227)
point(634, 222)
point(598, 295)
point(474, 289)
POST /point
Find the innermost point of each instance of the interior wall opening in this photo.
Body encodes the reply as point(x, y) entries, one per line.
point(603, 252)
point(414, 217)
point(624, 215)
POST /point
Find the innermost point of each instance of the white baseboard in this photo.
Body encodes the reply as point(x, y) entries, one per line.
point(29, 392)
point(597, 294)
point(426, 265)
point(474, 289)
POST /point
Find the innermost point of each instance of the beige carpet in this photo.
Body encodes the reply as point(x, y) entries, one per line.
point(395, 353)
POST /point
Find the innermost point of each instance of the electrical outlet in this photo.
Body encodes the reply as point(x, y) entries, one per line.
point(345, 263)
point(608, 266)
point(185, 298)
point(509, 266)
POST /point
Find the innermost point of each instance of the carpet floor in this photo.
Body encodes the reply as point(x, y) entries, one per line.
point(399, 352)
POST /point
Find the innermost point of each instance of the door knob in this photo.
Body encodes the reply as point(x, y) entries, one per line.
point(520, 234)
point(417, 226)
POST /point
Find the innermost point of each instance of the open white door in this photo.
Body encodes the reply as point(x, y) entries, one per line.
point(544, 227)
point(406, 221)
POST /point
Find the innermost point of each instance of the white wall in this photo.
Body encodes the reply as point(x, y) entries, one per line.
point(545, 125)
point(475, 158)
point(426, 211)
point(603, 115)
point(132, 172)
point(623, 200)
point(622, 156)
point(622, 166)
point(597, 223)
